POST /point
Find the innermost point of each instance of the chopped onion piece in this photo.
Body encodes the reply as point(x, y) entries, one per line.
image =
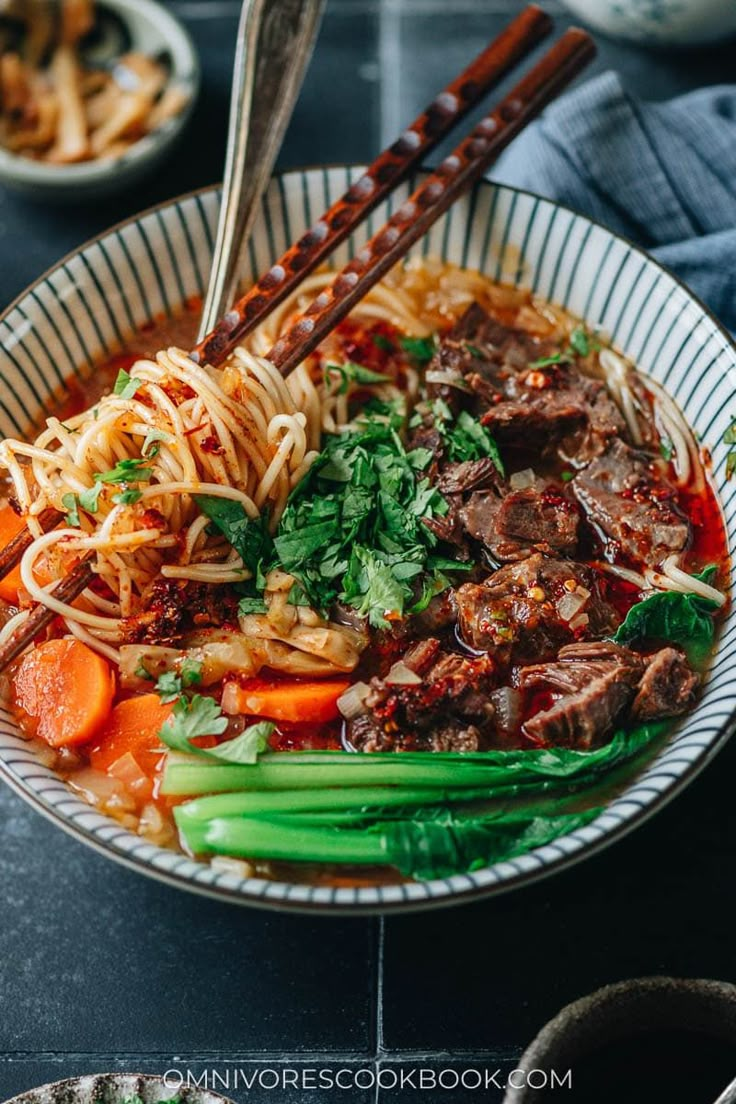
point(570, 604)
point(401, 675)
point(518, 481)
point(579, 622)
point(352, 703)
point(450, 379)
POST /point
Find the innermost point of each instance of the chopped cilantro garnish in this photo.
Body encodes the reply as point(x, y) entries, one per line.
point(127, 498)
point(249, 537)
point(89, 499)
point(126, 385)
point(191, 672)
point(69, 502)
point(475, 351)
point(666, 449)
point(354, 373)
point(566, 476)
point(149, 448)
point(580, 341)
point(382, 342)
point(126, 471)
point(464, 437)
point(189, 719)
point(142, 672)
point(421, 349)
point(544, 362)
point(168, 686)
point(251, 605)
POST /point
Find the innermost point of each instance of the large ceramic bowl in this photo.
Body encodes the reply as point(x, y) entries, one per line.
point(82, 309)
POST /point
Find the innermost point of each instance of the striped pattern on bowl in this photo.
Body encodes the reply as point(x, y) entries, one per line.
point(82, 309)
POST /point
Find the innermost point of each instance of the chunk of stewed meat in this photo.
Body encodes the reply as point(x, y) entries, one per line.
point(631, 505)
point(555, 404)
point(513, 526)
point(591, 684)
point(430, 700)
point(525, 611)
point(667, 687)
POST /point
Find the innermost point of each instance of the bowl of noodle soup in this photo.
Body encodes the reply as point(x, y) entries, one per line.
point(83, 380)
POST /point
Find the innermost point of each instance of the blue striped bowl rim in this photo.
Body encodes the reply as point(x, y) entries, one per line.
point(83, 307)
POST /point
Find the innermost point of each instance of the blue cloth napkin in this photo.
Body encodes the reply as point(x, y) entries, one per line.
point(662, 174)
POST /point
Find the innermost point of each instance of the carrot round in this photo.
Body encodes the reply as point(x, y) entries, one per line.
point(285, 699)
point(10, 526)
point(65, 691)
point(132, 728)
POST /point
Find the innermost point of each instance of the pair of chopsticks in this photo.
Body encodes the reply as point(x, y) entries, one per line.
point(437, 192)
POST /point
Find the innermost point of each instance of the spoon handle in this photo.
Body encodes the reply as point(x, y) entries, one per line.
point(274, 44)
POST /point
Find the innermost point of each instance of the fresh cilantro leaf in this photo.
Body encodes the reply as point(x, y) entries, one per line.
point(142, 672)
point(251, 605)
point(189, 719)
point(249, 536)
point(544, 362)
point(580, 341)
point(666, 449)
point(126, 385)
point(191, 672)
point(89, 499)
point(297, 596)
point(729, 438)
point(127, 498)
point(382, 342)
point(475, 351)
point(567, 476)
point(69, 502)
point(707, 575)
point(374, 590)
point(149, 447)
point(246, 747)
point(168, 686)
point(421, 349)
point(126, 471)
point(354, 373)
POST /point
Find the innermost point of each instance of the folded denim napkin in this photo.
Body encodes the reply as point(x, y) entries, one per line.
point(662, 174)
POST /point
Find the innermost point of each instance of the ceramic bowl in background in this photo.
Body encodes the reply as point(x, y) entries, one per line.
point(150, 29)
point(81, 311)
point(116, 1088)
point(659, 22)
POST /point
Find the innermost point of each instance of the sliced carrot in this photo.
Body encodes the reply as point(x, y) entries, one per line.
point(285, 699)
point(65, 691)
point(10, 526)
point(133, 728)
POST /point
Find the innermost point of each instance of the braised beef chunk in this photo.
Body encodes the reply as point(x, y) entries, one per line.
point(525, 611)
point(445, 706)
point(596, 682)
point(633, 507)
point(556, 403)
point(667, 688)
point(469, 475)
point(484, 355)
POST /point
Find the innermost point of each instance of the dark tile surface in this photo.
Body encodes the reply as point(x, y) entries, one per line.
point(104, 969)
point(488, 976)
point(97, 958)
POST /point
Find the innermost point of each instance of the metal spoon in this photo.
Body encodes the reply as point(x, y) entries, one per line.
point(275, 41)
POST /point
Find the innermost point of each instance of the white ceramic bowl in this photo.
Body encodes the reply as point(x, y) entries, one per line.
point(153, 30)
point(659, 22)
point(83, 307)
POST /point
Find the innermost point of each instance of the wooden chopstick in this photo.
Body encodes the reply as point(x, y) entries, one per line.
point(436, 194)
point(41, 617)
point(457, 173)
point(387, 171)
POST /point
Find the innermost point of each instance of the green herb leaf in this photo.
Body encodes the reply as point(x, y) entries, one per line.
point(89, 499)
point(251, 605)
point(351, 373)
point(544, 362)
point(249, 537)
point(149, 441)
point(382, 342)
point(168, 686)
point(127, 498)
point(580, 341)
point(69, 502)
point(420, 349)
point(126, 385)
point(189, 719)
point(126, 471)
point(191, 672)
point(142, 672)
point(666, 449)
